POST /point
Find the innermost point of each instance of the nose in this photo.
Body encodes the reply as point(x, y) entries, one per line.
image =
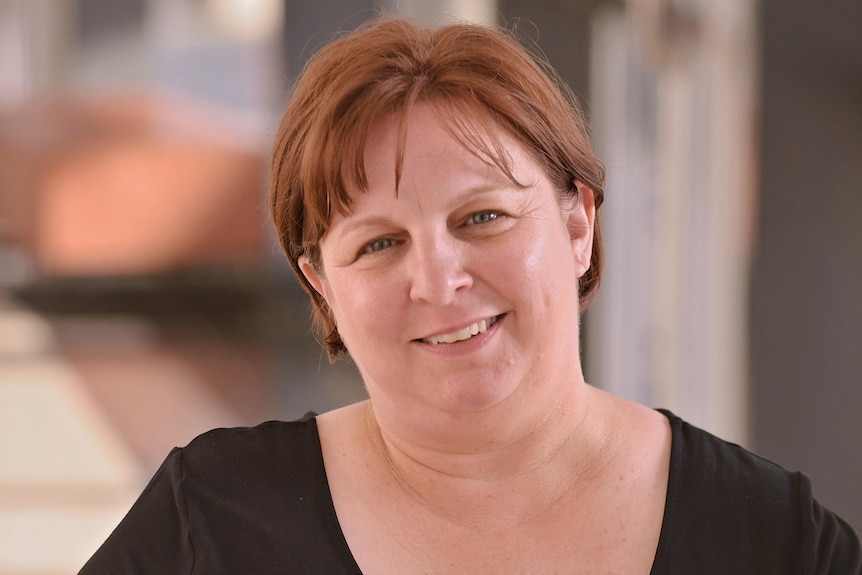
point(435, 269)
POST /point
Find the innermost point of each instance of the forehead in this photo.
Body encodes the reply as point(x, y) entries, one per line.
point(427, 130)
point(464, 134)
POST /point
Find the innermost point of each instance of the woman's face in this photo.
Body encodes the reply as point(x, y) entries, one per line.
point(459, 292)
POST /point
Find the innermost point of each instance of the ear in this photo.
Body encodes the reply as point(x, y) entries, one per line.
point(580, 221)
point(312, 275)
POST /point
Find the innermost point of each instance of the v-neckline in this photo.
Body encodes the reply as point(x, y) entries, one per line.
point(327, 505)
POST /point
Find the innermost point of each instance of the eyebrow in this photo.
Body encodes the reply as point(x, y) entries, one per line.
point(350, 224)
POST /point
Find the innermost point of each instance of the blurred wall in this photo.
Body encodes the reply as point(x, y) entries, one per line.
point(561, 28)
point(308, 27)
point(806, 286)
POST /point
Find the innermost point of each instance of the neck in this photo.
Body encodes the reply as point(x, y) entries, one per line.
point(497, 470)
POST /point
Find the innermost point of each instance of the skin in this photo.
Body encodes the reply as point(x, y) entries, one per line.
point(491, 452)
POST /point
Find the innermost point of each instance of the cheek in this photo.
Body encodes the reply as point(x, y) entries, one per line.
point(542, 269)
point(535, 259)
point(365, 308)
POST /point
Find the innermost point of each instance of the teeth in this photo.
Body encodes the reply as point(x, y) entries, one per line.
point(465, 333)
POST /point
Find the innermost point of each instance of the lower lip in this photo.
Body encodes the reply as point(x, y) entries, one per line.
point(464, 346)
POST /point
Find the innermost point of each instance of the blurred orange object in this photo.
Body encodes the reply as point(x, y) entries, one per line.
point(129, 185)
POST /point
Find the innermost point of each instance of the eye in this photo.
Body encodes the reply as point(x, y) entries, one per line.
point(482, 217)
point(377, 245)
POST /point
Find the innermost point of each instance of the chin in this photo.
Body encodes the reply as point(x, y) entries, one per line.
point(475, 395)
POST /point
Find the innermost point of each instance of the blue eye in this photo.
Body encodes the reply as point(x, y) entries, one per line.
point(378, 245)
point(483, 217)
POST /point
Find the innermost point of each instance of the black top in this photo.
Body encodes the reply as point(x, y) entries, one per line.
point(256, 500)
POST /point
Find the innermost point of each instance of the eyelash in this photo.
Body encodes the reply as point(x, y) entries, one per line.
point(471, 220)
point(491, 215)
point(369, 247)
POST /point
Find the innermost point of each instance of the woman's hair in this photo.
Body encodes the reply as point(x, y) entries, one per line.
point(478, 77)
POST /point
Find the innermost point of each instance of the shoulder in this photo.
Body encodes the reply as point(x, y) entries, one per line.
point(707, 462)
point(738, 510)
point(259, 496)
point(274, 452)
point(284, 437)
point(719, 492)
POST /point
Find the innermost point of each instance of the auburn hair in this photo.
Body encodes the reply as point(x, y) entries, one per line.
point(479, 77)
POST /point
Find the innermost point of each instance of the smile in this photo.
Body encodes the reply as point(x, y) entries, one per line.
point(464, 333)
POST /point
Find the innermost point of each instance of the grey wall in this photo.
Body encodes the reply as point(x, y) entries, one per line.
point(310, 25)
point(806, 298)
point(561, 28)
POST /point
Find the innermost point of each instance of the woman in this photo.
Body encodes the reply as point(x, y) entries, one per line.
point(436, 193)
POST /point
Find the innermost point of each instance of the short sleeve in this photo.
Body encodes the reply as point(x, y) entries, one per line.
point(154, 536)
point(831, 547)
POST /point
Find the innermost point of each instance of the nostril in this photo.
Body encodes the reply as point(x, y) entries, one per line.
point(439, 287)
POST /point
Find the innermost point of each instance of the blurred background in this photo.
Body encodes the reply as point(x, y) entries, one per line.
point(143, 299)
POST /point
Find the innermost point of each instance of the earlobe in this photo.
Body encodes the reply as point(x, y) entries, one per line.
point(580, 222)
point(312, 275)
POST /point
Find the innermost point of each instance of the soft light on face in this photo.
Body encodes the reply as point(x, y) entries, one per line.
point(459, 292)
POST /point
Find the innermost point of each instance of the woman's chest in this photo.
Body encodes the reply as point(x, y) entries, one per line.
point(399, 537)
